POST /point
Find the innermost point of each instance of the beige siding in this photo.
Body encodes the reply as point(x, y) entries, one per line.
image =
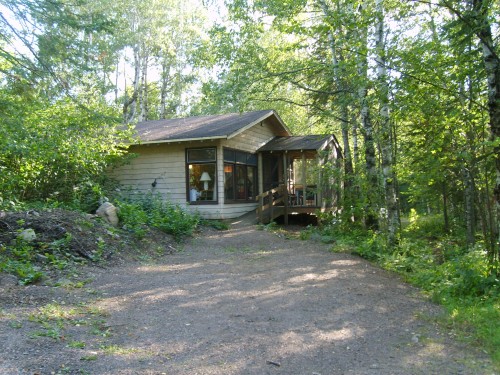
point(162, 162)
point(166, 163)
point(252, 139)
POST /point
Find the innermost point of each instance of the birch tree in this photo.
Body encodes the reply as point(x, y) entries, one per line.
point(386, 139)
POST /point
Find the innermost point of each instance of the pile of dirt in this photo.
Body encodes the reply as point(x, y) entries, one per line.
point(77, 237)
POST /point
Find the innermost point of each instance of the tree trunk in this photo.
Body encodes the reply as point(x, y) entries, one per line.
point(164, 85)
point(371, 211)
point(143, 116)
point(445, 208)
point(130, 105)
point(386, 140)
point(344, 110)
point(470, 217)
point(355, 146)
point(492, 66)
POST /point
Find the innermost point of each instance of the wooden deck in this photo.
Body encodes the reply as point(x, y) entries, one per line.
point(277, 202)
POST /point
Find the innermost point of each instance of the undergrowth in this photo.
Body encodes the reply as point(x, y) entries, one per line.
point(30, 260)
point(459, 278)
point(151, 210)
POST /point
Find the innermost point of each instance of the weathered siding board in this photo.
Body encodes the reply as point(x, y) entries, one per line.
point(251, 139)
point(233, 210)
point(165, 163)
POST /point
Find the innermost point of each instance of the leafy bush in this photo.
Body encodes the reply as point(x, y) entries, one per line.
point(154, 211)
point(133, 217)
point(48, 149)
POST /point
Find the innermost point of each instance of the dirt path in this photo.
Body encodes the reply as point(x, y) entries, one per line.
point(237, 302)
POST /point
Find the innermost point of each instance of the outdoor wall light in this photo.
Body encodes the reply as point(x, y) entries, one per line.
point(154, 183)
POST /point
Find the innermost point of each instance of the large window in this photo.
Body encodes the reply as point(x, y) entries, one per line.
point(201, 174)
point(240, 175)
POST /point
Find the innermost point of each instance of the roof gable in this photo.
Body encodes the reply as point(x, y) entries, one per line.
point(205, 127)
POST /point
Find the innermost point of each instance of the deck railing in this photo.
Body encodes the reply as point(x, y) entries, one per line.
point(273, 203)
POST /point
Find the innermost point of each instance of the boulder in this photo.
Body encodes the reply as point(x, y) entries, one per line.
point(109, 213)
point(27, 235)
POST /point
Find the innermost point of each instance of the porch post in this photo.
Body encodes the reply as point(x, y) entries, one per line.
point(319, 196)
point(285, 170)
point(260, 173)
point(304, 178)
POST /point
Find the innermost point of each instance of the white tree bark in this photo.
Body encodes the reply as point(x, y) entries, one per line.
point(143, 116)
point(386, 140)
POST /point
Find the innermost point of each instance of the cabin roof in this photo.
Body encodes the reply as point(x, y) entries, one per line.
point(206, 127)
point(297, 143)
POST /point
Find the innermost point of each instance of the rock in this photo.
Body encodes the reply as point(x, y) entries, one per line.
point(8, 280)
point(41, 258)
point(109, 213)
point(27, 235)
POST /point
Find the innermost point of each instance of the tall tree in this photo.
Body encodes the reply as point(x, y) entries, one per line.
point(386, 133)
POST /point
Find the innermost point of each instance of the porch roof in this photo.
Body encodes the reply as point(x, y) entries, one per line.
point(205, 127)
point(298, 143)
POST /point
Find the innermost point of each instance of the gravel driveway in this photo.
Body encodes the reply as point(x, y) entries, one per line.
point(242, 301)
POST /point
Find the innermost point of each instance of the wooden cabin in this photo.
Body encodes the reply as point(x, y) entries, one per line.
point(220, 166)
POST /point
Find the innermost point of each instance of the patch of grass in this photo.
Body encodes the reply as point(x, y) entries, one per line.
point(272, 226)
point(76, 344)
point(216, 224)
point(15, 324)
point(99, 328)
point(54, 318)
point(234, 249)
point(90, 357)
point(117, 350)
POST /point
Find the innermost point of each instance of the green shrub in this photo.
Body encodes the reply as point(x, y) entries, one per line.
point(133, 217)
point(152, 210)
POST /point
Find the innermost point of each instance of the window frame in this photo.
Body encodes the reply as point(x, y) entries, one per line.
point(251, 161)
point(187, 163)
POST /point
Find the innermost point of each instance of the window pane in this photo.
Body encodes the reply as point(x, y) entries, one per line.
point(228, 181)
point(240, 182)
point(241, 157)
point(229, 155)
point(252, 159)
point(201, 154)
point(251, 182)
point(202, 182)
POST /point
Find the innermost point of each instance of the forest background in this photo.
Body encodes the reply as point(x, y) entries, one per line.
point(411, 88)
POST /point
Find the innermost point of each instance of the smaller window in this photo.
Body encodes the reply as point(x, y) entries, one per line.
point(200, 155)
point(251, 159)
point(241, 157)
point(229, 155)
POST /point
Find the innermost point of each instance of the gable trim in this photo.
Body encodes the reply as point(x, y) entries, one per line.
point(252, 124)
